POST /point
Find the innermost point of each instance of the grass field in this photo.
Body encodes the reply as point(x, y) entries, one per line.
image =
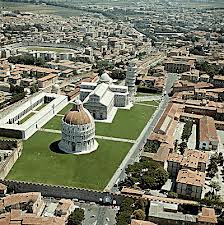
point(26, 118)
point(41, 107)
point(39, 164)
point(41, 9)
point(126, 124)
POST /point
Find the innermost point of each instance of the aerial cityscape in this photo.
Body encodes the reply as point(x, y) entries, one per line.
point(112, 112)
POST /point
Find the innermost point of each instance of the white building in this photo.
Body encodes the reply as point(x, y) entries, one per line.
point(131, 78)
point(11, 124)
point(103, 98)
point(78, 131)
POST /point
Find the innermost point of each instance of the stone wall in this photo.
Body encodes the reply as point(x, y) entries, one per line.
point(61, 191)
point(16, 146)
point(10, 144)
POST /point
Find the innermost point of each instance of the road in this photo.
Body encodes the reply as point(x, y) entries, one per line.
point(136, 150)
point(99, 215)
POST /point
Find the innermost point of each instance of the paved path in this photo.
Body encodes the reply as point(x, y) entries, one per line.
point(50, 130)
point(155, 106)
point(116, 139)
point(148, 98)
point(97, 136)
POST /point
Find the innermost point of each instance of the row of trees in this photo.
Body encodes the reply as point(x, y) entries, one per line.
point(26, 60)
point(18, 93)
point(187, 130)
point(210, 69)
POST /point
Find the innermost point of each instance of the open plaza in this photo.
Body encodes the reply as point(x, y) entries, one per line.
point(42, 161)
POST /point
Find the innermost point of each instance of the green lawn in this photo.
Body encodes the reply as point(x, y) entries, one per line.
point(41, 107)
point(26, 118)
point(40, 9)
point(54, 123)
point(126, 124)
point(39, 164)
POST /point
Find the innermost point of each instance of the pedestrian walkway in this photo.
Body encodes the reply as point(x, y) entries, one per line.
point(147, 98)
point(97, 136)
point(155, 106)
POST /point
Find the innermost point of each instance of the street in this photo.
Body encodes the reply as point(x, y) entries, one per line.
point(136, 150)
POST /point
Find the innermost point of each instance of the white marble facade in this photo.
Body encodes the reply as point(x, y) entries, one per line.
point(78, 131)
point(101, 98)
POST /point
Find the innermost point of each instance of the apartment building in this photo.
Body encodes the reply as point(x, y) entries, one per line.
point(189, 184)
point(48, 80)
point(191, 159)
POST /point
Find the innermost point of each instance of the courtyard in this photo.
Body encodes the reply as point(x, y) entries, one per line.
point(41, 164)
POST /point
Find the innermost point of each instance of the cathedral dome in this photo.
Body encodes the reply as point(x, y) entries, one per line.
point(105, 78)
point(78, 115)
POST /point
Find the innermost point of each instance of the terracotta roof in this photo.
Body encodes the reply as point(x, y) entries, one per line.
point(207, 129)
point(207, 216)
point(133, 191)
point(48, 77)
point(141, 222)
point(64, 205)
point(195, 178)
point(3, 187)
point(175, 157)
point(77, 115)
point(20, 198)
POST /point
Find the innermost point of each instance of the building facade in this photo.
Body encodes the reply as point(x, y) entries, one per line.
point(101, 98)
point(189, 184)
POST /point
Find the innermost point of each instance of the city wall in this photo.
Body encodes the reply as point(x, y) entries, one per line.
point(16, 146)
point(60, 191)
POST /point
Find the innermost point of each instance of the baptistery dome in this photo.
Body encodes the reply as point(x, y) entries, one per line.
point(78, 115)
point(78, 131)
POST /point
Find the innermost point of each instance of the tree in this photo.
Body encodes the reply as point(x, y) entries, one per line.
point(172, 194)
point(39, 62)
point(123, 217)
point(151, 146)
point(140, 204)
point(75, 72)
point(215, 186)
point(34, 88)
point(139, 214)
point(76, 217)
point(187, 130)
point(182, 147)
point(175, 144)
point(220, 159)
